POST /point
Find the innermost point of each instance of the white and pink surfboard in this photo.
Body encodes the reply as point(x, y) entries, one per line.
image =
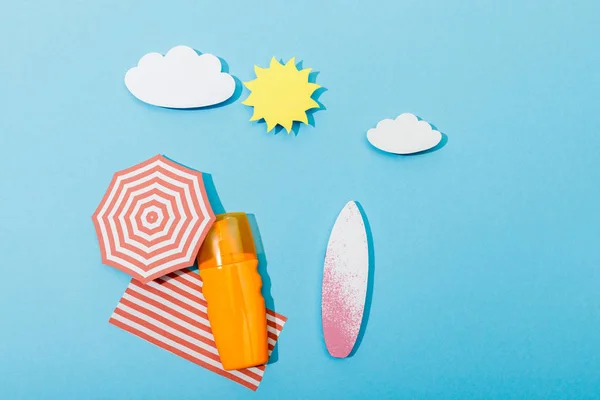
point(345, 277)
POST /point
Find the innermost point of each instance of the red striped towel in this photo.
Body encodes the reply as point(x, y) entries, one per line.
point(170, 312)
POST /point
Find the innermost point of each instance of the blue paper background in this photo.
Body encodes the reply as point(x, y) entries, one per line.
point(487, 280)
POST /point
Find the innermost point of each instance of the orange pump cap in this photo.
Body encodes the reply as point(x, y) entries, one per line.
point(228, 241)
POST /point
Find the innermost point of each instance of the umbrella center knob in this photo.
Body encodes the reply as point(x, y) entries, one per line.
point(152, 216)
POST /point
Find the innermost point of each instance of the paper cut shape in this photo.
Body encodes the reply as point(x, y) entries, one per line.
point(281, 94)
point(180, 79)
point(171, 313)
point(153, 218)
point(404, 135)
point(345, 276)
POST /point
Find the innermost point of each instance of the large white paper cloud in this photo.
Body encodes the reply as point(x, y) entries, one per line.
point(403, 135)
point(180, 79)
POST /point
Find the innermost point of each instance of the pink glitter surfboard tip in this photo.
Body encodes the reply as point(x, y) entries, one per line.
point(345, 275)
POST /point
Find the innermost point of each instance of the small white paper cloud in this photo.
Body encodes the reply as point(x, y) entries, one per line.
point(403, 135)
point(180, 79)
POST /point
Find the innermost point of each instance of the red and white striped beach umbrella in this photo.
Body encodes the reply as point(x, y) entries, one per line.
point(153, 218)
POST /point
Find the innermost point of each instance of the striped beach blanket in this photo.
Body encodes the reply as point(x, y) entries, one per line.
point(170, 312)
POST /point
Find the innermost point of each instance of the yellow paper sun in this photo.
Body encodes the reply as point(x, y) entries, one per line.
point(281, 94)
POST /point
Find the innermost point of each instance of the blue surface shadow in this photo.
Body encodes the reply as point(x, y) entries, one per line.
point(211, 192)
point(437, 147)
point(264, 274)
point(312, 78)
point(370, 283)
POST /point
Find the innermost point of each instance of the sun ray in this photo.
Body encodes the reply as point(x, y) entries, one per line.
point(287, 125)
point(302, 118)
point(281, 94)
point(312, 104)
point(250, 85)
point(259, 71)
point(313, 87)
point(270, 124)
point(255, 116)
point(305, 73)
point(291, 62)
point(274, 63)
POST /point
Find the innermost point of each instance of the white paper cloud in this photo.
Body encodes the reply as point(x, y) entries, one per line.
point(180, 79)
point(404, 135)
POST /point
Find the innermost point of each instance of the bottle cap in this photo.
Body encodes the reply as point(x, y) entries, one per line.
point(228, 241)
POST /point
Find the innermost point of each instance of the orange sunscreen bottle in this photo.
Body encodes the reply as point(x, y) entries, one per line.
point(231, 285)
